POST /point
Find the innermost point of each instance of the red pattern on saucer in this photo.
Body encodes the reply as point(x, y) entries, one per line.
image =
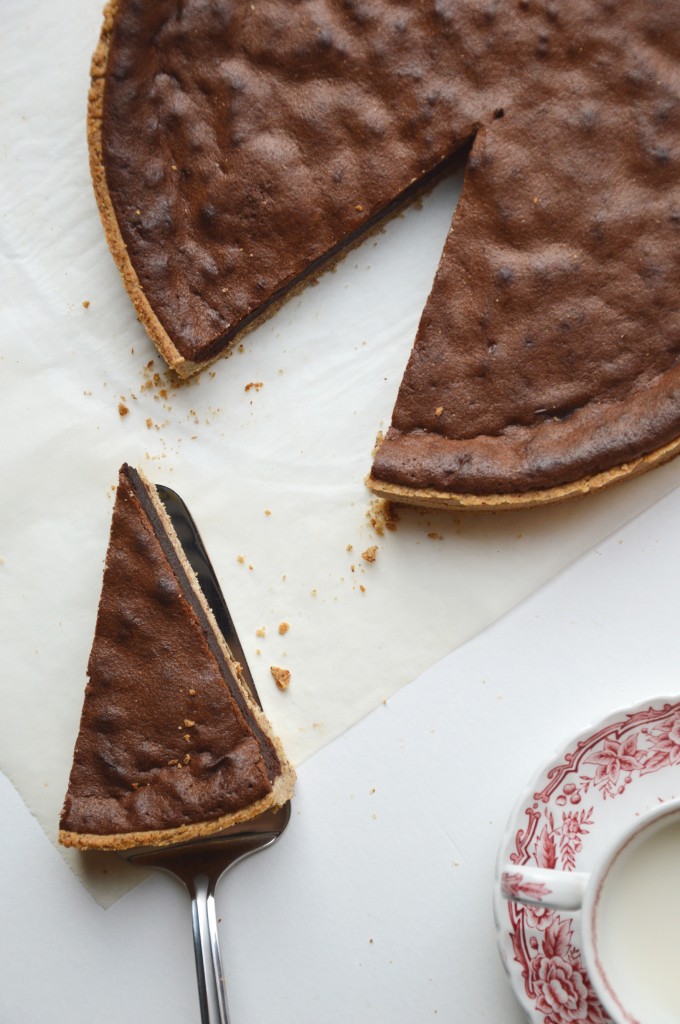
point(554, 828)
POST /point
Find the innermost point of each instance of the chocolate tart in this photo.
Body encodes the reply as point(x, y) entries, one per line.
point(237, 149)
point(171, 744)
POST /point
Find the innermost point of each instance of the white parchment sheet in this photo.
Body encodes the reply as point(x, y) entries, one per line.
point(273, 473)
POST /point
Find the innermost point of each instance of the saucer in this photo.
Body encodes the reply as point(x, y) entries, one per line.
point(578, 802)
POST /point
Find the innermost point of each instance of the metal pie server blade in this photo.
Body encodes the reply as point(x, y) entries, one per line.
point(200, 863)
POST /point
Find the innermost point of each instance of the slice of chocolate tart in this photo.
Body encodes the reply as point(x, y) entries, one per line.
point(171, 743)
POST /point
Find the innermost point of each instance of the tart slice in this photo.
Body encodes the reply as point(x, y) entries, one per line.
point(171, 744)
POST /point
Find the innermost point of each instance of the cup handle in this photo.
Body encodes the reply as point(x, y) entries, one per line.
point(561, 890)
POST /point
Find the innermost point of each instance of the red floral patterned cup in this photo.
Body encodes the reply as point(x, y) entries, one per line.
point(630, 912)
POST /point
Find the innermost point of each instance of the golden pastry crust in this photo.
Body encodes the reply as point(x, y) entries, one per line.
point(431, 498)
point(95, 114)
point(169, 836)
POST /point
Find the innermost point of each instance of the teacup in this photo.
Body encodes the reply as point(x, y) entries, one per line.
point(630, 913)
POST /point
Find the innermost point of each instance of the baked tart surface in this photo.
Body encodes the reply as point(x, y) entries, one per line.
point(171, 745)
point(238, 148)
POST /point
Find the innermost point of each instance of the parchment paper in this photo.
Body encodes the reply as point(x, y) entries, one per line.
point(273, 474)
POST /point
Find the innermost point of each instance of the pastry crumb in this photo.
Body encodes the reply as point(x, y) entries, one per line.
point(369, 555)
point(439, 410)
point(86, 303)
point(122, 409)
point(256, 384)
point(382, 516)
point(379, 438)
point(188, 723)
point(435, 536)
point(261, 631)
point(283, 628)
point(267, 511)
point(281, 677)
point(240, 559)
point(192, 692)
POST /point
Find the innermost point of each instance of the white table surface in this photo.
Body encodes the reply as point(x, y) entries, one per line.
point(376, 904)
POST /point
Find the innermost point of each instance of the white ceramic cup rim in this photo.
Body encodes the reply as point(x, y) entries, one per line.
point(648, 823)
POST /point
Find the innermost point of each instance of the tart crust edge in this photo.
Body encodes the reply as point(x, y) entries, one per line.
point(114, 237)
point(433, 498)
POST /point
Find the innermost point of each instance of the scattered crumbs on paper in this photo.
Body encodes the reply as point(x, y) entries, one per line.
point(86, 303)
point(162, 383)
point(240, 559)
point(281, 677)
point(435, 536)
point(122, 409)
point(370, 554)
point(262, 632)
point(267, 511)
point(313, 592)
point(254, 385)
point(283, 628)
point(362, 588)
point(382, 516)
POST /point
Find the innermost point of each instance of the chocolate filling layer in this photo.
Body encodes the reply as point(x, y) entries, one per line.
point(266, 746)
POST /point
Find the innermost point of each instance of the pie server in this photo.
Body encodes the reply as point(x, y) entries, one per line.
point(200, 863)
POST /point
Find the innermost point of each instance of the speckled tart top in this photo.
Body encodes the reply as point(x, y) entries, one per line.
point(244, 144)
point(165, 739)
